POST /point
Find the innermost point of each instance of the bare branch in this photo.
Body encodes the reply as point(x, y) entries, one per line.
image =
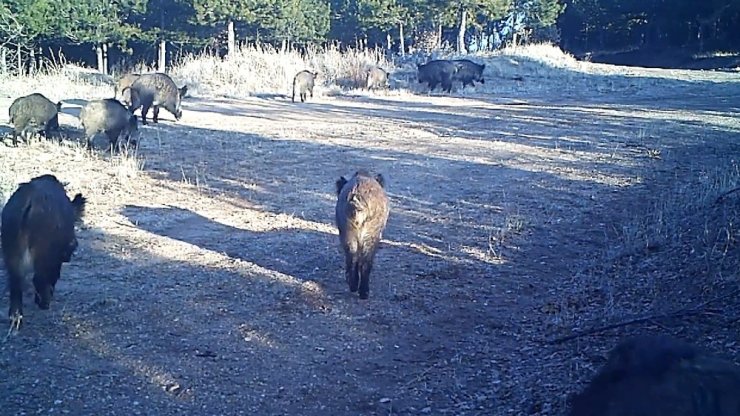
point(696, 310)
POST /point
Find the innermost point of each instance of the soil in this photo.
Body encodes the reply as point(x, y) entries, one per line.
point(211, 282)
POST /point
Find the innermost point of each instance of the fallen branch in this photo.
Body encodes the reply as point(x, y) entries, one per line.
point(696, 310)
point(724, 194)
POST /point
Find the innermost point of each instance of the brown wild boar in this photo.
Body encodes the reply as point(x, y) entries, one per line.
point(376, 78)
point(658, 375)
point(158, 90)
point(110, 117)
point(124, 82)
point(130, 98)
point(33, 114)
point(303, 83)
point(361, 214)
point(37, 234)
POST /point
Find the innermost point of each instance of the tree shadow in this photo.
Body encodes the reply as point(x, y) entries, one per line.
point(131, 331)
point(272, 250)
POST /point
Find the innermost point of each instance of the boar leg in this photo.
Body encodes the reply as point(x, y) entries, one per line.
point(15, 285)
point(144, 111)
point(365, 266)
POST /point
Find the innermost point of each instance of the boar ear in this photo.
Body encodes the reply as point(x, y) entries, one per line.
point(183, 90)
point(483, 66)
point(340, 184)
point(78, 203)
point(381, 180)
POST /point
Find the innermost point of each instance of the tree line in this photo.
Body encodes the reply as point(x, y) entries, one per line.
point(688, 25)
point(30, 28)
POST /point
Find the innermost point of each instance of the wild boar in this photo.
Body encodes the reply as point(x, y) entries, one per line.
point(37, 235)
point(124, 82)
point(303, 83)
point(468, 72)
point(376, 78)
point(110, 117)
point(34, 114)
point(130, 98)
point(438, 72)
point(361, 214)
point(658, 375)
point(158, 90)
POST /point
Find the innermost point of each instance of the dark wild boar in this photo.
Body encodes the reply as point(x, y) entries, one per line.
point(468, 72)
point(158, 90)
point(438, 72)
point(303, 84)
point(658, 375)
point(361, 214)
point(376, 78)
point(34, 114)
point(110, 117)
point(38, 235)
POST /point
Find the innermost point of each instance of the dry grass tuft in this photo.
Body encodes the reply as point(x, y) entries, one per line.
point(98, 175)
point(546, 53)
point(501, 236)
point(687, 215)
point(263, 69)
point(680, 247)
point(59, 83)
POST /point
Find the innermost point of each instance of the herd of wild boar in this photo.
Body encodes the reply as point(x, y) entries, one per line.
point(652, 375)
point(31, 249)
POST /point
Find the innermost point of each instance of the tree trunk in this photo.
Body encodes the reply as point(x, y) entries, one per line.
point(19, 57)
point(162, 61)
point(3, 60)
point(99, 57)
point(439, 36)
point(284, 46)
point(32, 62)
point(231, 39)
point(402, 46)
point(388, 41)
point(105, 58)
point(461, 32)
point(515, 39)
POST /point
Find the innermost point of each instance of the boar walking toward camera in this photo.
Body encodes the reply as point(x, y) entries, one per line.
point(468, 72)
point(38, 235)
point(303, 84)
point(33, 114)
point(361, 214)
point(376, 78)
point(657, 375)
point(158, 90)
point(110, 117)
point(438, 72)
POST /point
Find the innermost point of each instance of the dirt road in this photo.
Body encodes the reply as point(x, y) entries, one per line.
point(210, 282)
